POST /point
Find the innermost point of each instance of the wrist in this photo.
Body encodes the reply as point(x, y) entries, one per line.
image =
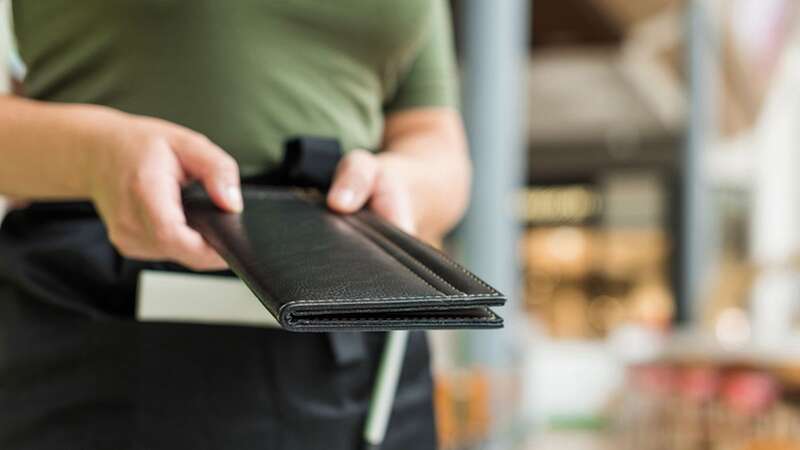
point(93, 128)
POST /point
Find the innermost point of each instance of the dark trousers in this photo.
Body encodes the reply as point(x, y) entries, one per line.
point(77, 373)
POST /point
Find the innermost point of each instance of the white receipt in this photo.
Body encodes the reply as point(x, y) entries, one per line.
point(203, 299)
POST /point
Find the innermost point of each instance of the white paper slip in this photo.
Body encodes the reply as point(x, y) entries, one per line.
point(204, 299)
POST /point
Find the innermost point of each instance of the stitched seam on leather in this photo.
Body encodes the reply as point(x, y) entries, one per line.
point(374, 241)
point(345, 318)
point(414, 297)
point(414, 259)
point(449, 261)
point(397, 319)
point(402, 250)
point(468, 273)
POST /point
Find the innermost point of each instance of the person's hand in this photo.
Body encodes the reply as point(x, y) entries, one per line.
point(363, 179)
point(137, 168)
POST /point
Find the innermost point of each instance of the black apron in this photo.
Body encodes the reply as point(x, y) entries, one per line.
point(77, 372)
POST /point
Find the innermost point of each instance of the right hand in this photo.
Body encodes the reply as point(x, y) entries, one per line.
point(136, 170)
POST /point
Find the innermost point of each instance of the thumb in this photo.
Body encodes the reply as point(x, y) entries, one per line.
point(203, 160)
point(353, 182)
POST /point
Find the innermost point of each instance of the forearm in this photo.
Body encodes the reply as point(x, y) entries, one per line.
point(427, 149)
point(45, 148)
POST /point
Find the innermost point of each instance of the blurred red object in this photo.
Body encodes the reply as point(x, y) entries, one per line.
point(700, 384)
point(749, 392)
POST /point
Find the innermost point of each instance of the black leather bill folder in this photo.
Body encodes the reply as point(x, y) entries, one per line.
point(315, 270)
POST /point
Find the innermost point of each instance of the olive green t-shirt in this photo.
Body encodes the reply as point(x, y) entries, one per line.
point(247, 73)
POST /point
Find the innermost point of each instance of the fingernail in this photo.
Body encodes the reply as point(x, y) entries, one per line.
point(344, 197)
point(234, 196)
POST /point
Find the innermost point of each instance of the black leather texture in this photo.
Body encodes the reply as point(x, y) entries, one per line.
point(315, 270)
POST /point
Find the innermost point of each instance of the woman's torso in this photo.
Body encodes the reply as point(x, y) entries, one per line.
point(249, 74)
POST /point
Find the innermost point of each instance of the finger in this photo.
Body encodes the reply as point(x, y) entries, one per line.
point(186, 247)
point(218, 171)
point(353, 182)
point(392, 202)
point(170, 236)
point(191, 250)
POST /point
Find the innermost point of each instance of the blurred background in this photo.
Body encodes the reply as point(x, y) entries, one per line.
point(637, 195)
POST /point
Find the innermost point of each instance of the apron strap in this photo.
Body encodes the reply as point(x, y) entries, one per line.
point(310, 161)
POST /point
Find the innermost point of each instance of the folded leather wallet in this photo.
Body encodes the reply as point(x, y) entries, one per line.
point(315, 270)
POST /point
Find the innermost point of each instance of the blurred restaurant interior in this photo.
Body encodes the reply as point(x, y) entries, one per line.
point(636, 190)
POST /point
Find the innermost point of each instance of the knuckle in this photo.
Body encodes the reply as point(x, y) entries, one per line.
point(152, 145)
point(199, 137)
point(141, 181)
point(193, 137)
point(185, 138)
point(164, 236)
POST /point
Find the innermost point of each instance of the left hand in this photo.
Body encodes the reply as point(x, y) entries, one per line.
point(364, 179)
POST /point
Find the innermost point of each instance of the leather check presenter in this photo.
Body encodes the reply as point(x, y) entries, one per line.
point(366, 274)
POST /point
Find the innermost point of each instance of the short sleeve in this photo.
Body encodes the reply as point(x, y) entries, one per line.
point(432, 78)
